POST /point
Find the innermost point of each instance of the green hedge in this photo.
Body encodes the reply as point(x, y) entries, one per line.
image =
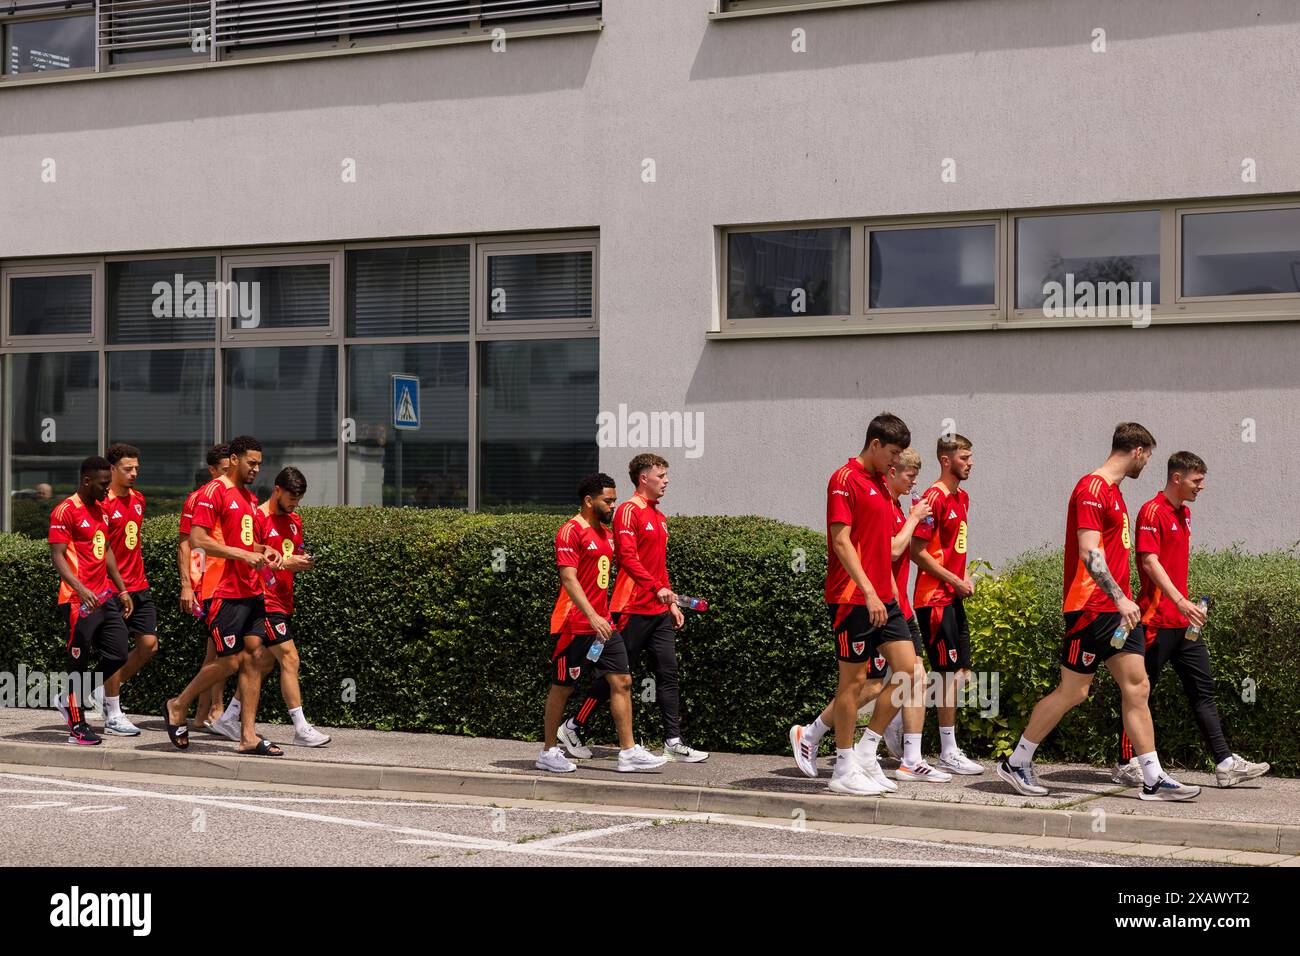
point(439, 621)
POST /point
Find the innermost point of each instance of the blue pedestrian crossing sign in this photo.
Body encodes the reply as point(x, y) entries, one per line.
point(406, 401)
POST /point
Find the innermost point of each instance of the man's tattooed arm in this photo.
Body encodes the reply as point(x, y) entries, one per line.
point(1096, 565)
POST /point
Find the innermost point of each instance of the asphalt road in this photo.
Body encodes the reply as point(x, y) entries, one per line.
point(51, 818)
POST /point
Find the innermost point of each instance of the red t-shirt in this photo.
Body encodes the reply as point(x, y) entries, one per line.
point(224, 507)
point(284, 533)
point(902, 564)
point(1096, 505)
point(591, 551)
point(641, 545)
point(81, 525)
point(861, 500)
point(1167, 534)
point(945, 540)
point(124, 517)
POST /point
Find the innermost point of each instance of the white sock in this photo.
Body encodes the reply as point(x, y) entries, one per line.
point(947, 740)
point(1023, 755)
point(628, 752)
point(816, 730)
point(299, 721)
point(911, 750)
point(571, 724)
point(1224, 764)
point(845, 758)
point(673, 743)
point(1151, 772)
point(232, 710)
point(866, 747)
point(112, 707)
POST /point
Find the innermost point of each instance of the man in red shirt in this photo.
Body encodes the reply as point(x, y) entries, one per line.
point(280, 526)
point(942, 585)
point(1164, 538)
point(192, 566)
point(92, 617)
point(236, 616)
point(865, 615)
point(903, 734)
point(1102, 624)
point(584, 553)
point(124, 515)
point(645, 608)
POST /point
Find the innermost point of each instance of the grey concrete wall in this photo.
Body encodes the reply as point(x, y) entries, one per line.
point(552, 133)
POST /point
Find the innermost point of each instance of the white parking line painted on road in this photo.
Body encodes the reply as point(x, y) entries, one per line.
point(593, 834)
point(42, 805)
point(95, 809)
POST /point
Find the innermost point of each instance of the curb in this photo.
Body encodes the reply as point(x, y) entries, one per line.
point(1070, 824)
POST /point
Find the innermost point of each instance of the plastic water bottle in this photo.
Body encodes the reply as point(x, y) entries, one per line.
point(101, 597)
point(597, 648)
point(1118, 639)
point(692, 604)
point(928, 520)
point(1193, 632)
point(268, 575)
point(196, 608)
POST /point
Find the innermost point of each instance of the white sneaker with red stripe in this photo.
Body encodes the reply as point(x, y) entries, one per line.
point(922, 772)
point(805, 754)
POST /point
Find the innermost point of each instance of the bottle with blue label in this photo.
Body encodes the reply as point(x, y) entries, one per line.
point(597, 647)
point(1118, 639)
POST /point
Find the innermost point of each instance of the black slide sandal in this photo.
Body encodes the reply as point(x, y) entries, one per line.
point(264, 748)
point(180, 736)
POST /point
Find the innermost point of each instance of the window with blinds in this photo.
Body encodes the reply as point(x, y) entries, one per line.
point(539, 286)
point(245, 22)
point(133, 30)
point(161, 300)
point(280, 297)
point(51, 305)
point(419, 290)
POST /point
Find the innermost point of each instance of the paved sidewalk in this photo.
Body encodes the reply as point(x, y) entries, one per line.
point(1262, 816)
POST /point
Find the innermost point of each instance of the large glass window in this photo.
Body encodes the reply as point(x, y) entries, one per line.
point(1095, 247)
point(53, 404)
point(161, 300)
point(162, 402)
point(427, 467)
point(938, 267)
point(57, 43)
point(788, 273)
point(287, 398)
point(539, 286)
point(419, 290)
point(537, 421)
point(1252, 252)
point(51, 304)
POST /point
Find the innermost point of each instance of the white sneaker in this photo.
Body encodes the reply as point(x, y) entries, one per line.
point(1167, 788)
point(637, 759)
point(922, 772)
point(1023, 779)
point(311, 737)
point(554, 761)
point(855, 783)
point(958, 762)
point(1240, 771)
point(894, 739)
point(119, 726)
point(805, 754)
point(571, 740)
point(226, 728)
point(1127, 774)
point(870, 766)
point(684, 753)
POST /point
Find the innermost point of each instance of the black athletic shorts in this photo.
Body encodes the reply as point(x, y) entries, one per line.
point(1087, 640)
point(279, 628)
point(144, 617)
point(566, 667)
point(856, 641)
point(103, 629)
point(946, 636)
point(230, 620)
point(879, 668)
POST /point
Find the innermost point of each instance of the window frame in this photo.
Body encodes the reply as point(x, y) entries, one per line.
point(958, 314)
point(469, 242)
point(93, 267)
point(1264, 302)
point(485, 250)
point(331, 256)
point(10, 20)
point(214, 254)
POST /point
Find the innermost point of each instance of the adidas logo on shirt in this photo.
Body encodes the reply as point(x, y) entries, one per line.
point(872, 493)
point(649, 526)
point(273, 534)
point(1117, 506)
point(233, 506)
point(1174, 526)
point(591, 546)
point(85, 523)
point(952, 514)
point(117, 514)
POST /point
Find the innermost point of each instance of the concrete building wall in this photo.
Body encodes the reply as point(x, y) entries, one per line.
point(552, 133)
